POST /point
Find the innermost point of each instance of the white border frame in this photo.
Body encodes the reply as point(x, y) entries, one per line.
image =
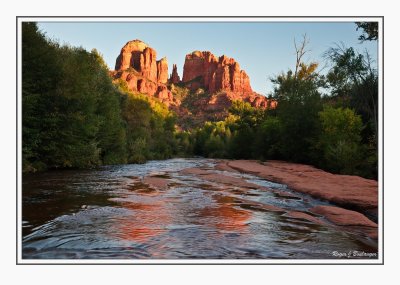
point(255, 19)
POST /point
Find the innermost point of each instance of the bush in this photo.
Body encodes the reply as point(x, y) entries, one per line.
point(340, 140)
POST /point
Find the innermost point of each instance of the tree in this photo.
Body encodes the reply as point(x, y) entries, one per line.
point(299, 102)
point(71, 110)
point(340, 140)
point(243, 129)
point(267, 144)
point(370, 31)
point(353, 75)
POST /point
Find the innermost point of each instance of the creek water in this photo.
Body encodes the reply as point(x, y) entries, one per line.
point(109, 213)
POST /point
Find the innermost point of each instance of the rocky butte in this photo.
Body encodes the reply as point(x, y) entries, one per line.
point(137, 64)
point(208, 87)
point(221, 74)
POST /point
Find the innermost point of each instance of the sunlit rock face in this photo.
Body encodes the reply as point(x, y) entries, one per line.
point(223, 75)
point(212, 82)
point(137, 64)
point(215, 73)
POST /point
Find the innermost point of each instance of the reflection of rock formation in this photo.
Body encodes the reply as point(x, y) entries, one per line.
point(147, 221)
point(226, 217)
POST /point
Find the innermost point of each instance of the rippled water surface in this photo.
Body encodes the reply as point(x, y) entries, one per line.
point(110, 213)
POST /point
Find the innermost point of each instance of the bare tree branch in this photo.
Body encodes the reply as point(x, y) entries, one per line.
point(300, 52)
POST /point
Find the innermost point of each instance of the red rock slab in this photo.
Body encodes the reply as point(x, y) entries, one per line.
point(348, 220)
point(258, 206)
point(219, 178)
point(223, 166)
point(343, 217)
point(283, 194)
point(304, 216)
point(251, 205)
point(345, 190)
point(156, 182)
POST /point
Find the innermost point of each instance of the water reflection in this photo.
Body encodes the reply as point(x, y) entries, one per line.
point(144, 222)
point(225, 217)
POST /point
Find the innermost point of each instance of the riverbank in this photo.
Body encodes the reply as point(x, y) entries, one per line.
point(356, 197)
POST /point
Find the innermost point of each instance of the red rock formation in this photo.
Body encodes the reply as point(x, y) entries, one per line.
point(130, 55)
point(164, 95)
point(137, 65)
point(221, 79)
point(148, 64)
point(174, 75)
point(214, 73)
point(222, 75)
point(199, 65)
point(162, 70)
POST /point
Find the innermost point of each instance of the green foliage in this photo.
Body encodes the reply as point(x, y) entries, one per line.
point(179, 92)
point(62, 88)
point(74, 116)
point(370, 31)
point(299, 102)
point(184, 143)
point(353, 80)
point(150, 128)
point(267, 144)
point(340, 139)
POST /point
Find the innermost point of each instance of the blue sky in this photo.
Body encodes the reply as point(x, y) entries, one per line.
point(263, 49)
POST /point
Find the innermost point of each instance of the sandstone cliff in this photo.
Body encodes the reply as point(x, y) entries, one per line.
point(208, 87)
point(137, 65)
point(221, 74)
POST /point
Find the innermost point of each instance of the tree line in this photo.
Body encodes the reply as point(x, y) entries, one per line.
point(74, 116)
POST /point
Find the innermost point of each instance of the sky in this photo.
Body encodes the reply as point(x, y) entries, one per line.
point(263, 49)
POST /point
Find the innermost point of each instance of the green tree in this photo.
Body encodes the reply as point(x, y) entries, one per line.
point(340, 140)
point(354, 77)
point(247, 119)
point(71, 110)
point(370, 31)
point(267, 144)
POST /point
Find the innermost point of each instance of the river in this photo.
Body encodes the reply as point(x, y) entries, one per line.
point(111, 213)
